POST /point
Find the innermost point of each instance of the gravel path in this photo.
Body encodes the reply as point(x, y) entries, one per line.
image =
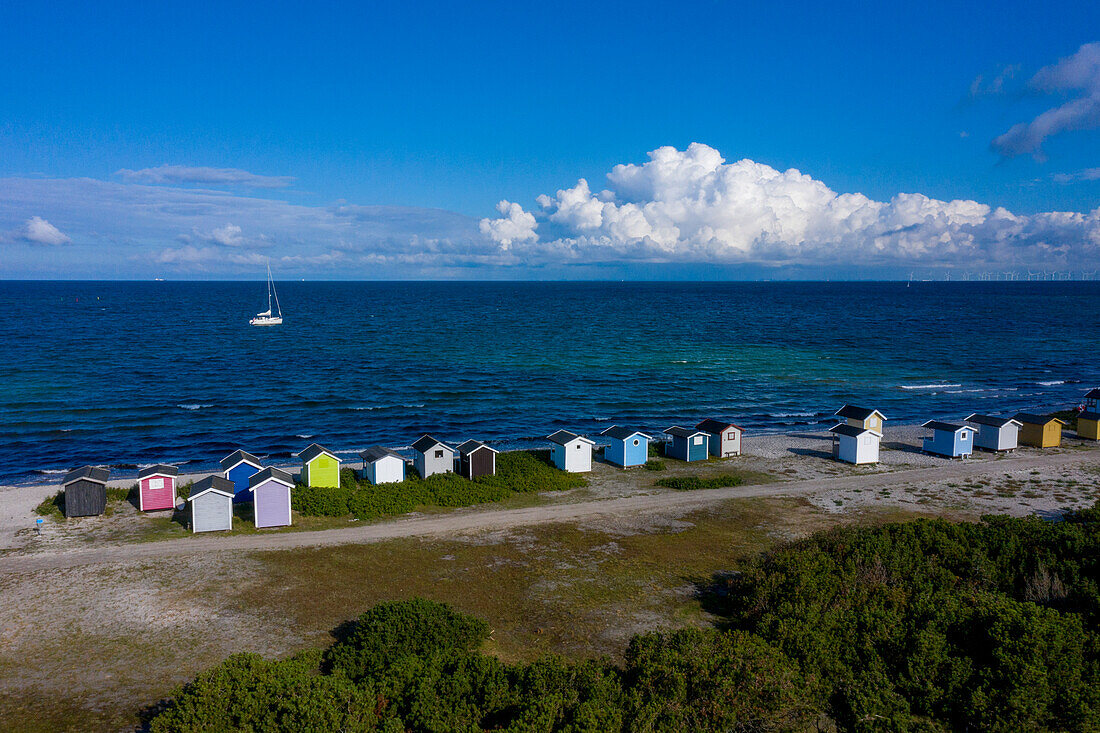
point(487, 518)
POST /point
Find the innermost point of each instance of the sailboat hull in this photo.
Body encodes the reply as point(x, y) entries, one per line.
point(267, 321)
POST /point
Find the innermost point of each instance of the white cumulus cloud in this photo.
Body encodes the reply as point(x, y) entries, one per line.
point(39, 231)
point(516, 225)
point(227, 236)
point(692, 206)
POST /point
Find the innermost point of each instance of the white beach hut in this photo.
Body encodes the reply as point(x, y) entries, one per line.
point(433, 456)
point(996, 433)
point(856, 445)
point(571, 452)
point(382, 465)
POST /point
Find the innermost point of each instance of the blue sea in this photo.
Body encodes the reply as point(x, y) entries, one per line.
point(131, 373)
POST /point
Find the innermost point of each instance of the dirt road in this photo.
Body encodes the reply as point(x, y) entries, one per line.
point(488, 518)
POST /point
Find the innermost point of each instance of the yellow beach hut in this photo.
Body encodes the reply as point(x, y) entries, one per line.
point(1040, 431)
point(1088, 425)
point(320, 467)
point(862, 417)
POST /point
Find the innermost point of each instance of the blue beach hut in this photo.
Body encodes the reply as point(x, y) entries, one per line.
point(238, 467)
point(628, 447)
point(949, 439)
point(687, 444)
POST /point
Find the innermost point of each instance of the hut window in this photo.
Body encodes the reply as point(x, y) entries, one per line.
point(697, 440)
point(578, 446)
point(156, 483)
point(635, 441)
point(439, 454)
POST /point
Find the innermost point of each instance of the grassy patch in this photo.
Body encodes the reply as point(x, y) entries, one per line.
point(717, 481)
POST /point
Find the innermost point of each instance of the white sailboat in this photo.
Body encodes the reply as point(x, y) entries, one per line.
point(265, 318)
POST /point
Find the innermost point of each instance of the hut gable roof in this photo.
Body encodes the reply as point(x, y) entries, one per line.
point(857, 413)
point(217, 484)
point(717, 426)
point(852, 431)
point(1086, 415)
point(426, 442)
point(376, 453)
point(564, 437)
point(679, 432)
point(619, 433)
point(949, 427)
point(270, 474)
point(992, 420)
point(1033, 419)
point(86, 473)
point(314, 451)
point(158, 470)
point(1093, 394)
point(473, 445)
point(237, 457)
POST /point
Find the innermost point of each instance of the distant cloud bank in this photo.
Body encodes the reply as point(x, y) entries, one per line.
point(691, 205)
point(182, 174)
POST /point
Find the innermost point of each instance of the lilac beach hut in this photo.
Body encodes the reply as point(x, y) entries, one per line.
point(270, 489)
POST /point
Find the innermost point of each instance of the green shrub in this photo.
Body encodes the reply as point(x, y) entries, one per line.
point(52, 506)
point(691, 483)
point(654, 464)
point(318, 501)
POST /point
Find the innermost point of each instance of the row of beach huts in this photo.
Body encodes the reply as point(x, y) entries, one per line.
point(244, 478)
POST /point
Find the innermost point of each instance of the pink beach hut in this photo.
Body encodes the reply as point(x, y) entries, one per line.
point(270, 489)
point(157, 488)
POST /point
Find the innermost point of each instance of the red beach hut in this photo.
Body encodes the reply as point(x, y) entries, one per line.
point(157, 487)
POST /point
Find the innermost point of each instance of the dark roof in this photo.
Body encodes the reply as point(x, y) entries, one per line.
point(377, 452)
point(948, 426)
point(991, 420)
point(564, 437)
point(89, 473)
point(158, 470)
point(211, 483)
point(857, 413)
point(717, 426)
point(314, 450)
point(1093, 394)
point(680, 432)
point(471, 445)
point(850, 430)
point(1088, 415)
point(1033, 419)
point(236, 457)
point(268, 474)
point(426, 442)
point(619, 433)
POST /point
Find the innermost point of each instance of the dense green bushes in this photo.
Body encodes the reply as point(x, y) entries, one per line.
point(517, 472)
point(922, 626)
point(691, 483)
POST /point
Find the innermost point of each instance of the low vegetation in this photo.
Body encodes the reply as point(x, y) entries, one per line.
point(919, 626)
point(518, 472)
point(717, 481)
point(54, 506)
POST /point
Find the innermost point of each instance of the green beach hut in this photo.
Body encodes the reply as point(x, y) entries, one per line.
point(320, 467)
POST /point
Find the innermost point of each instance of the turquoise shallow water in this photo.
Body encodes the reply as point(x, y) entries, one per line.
point(132, 373)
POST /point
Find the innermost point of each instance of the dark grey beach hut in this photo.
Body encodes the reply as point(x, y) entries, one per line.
point(211, 504)
point(476, 459)
point(85, 491)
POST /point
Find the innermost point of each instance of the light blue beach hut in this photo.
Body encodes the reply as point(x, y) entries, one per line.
point(238, 467)
point(628, 447)
point(949, 439)
point(687, 444)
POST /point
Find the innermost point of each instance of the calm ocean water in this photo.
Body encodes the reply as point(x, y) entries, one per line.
point(134, 373)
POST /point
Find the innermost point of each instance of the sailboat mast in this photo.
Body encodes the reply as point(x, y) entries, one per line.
point(271, 284)
point(269, 289)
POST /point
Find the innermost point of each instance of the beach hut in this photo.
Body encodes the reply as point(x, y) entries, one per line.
point(271, 497)
point(85, 491)
point(1088, 425)
point(432, 456)
point(320, 467)
point(1092, 398)
point(724, 437)
point(862, 417)
point(382, 465)
point(157, 488)
point(995, 433)
point(238, 467)
point(476, 459)
point(628, 447)
point(687, 444)
point(571, 452)
point(1040, 431)
point(949, 439)
point(211, 504)
point(855, 445)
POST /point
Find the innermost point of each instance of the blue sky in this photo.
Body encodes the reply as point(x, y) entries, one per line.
point(444, 110)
